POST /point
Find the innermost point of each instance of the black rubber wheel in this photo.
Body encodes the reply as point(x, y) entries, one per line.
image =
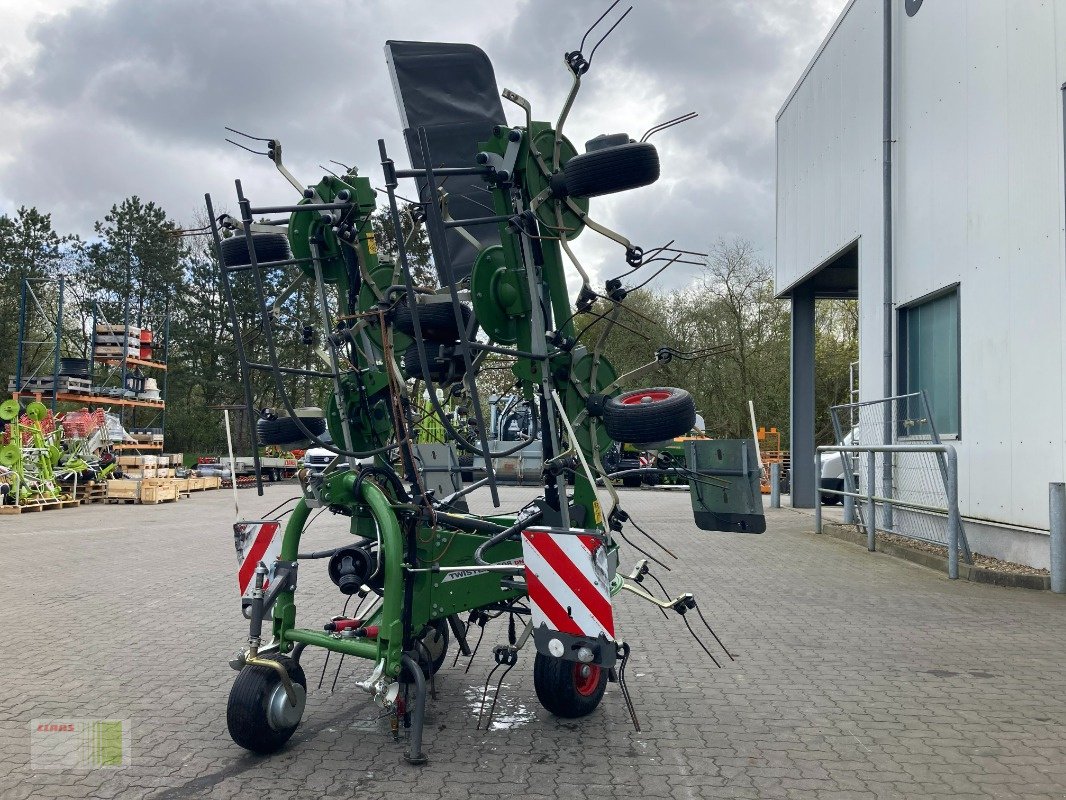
point(435, 637)
point(610, 170)
point(284, 430)
point(631, 481)
point(259, 715)
point(830, 499)
point(437, 321)
point(441, 370)
point(645, 416)
point(268, 247)
point(653, 480)
point(568, 688)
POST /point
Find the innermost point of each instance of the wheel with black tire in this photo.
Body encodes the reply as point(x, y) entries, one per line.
point(608, 170)
point(631, 481)
point(437, 321)
point(433, 650)
point(645, 416)
point(284, 430)
point(653, 480)
point(259, 714)
point(830, 499)
point(442, 369)
point(268, 247)
point(568, 688)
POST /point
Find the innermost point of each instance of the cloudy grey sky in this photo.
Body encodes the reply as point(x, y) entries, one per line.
point(101, 100)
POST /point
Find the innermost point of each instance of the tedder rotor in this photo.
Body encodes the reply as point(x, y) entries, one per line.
point(501, 205)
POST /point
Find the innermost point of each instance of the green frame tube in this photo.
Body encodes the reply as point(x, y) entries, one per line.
point(389, 644)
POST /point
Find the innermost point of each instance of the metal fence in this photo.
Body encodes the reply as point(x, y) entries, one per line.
point(869, 500)
point(915, 476)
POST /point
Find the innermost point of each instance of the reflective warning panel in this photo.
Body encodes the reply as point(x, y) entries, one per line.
point(568, 581)
point(256, 541)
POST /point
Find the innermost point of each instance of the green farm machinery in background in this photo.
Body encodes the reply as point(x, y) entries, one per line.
point(501, 205)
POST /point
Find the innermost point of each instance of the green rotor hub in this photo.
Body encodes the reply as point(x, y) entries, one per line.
point(581, 375)
point(383, 275)
point(370, 423)
point(500, 296)
point(543, 138)
point(36, 411)
point(304, 226)
point(9, 410)
point(10, 454)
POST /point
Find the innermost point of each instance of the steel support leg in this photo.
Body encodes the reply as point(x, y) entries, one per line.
point(418, 717)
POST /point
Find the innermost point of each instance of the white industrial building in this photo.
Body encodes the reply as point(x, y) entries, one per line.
point(976, 263)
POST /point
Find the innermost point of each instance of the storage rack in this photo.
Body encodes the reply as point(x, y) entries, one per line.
point(51, 329)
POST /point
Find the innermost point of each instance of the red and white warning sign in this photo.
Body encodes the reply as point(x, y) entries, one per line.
point(256, 541)
point(568, 582)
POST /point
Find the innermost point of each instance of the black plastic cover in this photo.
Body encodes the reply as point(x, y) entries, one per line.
point(450, 90)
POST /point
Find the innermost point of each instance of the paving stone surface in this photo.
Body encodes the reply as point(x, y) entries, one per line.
point(857, 675)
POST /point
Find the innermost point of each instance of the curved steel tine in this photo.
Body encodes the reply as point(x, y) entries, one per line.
point(581, 46)
point(250, 150)
point(662, 126)
point(609, 32)
point(248, 135)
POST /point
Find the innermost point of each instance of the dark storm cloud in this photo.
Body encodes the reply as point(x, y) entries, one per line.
point(131, 98)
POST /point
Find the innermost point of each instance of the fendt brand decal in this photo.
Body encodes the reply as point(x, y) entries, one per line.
point(470, 573)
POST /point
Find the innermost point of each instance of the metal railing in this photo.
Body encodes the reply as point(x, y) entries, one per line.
point(956, 538)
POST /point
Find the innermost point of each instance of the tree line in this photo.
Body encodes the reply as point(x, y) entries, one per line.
point(138, 257)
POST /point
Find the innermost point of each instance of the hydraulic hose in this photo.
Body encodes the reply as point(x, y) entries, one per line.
point(503, 536)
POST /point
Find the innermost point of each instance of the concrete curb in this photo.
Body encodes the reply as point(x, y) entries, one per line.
point(967, 572)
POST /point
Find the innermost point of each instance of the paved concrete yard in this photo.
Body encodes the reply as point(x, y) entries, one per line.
point(858, 676)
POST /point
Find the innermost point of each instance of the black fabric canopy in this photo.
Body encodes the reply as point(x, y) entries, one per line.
point(450, 90)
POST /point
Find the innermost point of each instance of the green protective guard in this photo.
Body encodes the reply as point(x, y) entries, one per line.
point(500, 296)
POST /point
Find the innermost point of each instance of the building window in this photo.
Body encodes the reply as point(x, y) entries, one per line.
point(929, 362)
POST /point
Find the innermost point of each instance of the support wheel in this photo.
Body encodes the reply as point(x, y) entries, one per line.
point(434, 639)
point(608, 170)
point(568, 688)
point(259, 715)
point(437, 321)
point(645, 416)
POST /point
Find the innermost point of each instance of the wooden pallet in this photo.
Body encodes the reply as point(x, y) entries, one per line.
point(38, 505)
point(45, 385)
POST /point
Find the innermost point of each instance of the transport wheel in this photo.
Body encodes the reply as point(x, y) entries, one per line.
point(268, 247)
point(608, 170)
point(830, 499)
point(631, 481)
point(284, 430)
point(259, 715)
point(437, 321)
point(568, 688)
point(644, 416)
